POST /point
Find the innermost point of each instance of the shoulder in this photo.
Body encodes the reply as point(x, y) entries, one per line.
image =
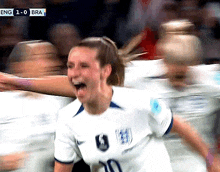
point(159, 86)
point(70, 110)
point(205, 74)
point(11, 105)
point(11, 98)
point(57, 101)
point(131, 98)
point(123, 93)
point(10, 94)
point(145, 67)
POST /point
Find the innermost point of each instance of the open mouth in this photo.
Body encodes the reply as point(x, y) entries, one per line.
point(79, 85)
point(180, 77)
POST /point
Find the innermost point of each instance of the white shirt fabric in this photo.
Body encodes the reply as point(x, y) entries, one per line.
point(13, 124)
point(125, 138)
point(139, 72)
point(28, 123)
point(208, 74)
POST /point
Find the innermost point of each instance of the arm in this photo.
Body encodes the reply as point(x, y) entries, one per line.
point(12, 162)
point(60, 167)
point(192, 138)
point(189, 135)
point(53, 85)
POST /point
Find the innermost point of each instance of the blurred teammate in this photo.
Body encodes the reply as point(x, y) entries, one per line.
point(38, 112)
point(180, 88)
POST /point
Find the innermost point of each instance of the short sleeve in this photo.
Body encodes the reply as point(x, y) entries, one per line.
point(161, 118)
point(212, 84)
point(211, 81)
point(66, 149)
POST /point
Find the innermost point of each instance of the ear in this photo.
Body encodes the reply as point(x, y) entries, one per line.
point(106, 71)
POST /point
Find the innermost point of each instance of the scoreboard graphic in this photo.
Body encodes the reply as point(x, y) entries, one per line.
point(32, 12)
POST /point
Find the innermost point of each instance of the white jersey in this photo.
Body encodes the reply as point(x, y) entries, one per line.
point(196, 104)
point(139, 72)
point(28, 123)
point(125, 138)
point(13, 125)
point(42, 112)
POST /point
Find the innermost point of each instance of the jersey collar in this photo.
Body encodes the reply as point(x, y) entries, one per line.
point(112, 105)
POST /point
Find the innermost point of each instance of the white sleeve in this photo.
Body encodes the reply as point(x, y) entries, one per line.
point(212, 83)
point(66, 149)
point(161, 118)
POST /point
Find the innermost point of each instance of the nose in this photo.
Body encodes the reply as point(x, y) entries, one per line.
point(73, 72)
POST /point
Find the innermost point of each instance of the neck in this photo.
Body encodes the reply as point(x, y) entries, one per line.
point(181, 85)
point(101, 103)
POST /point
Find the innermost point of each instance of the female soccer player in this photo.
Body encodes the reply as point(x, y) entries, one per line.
point(108, 130)
point(182, 92)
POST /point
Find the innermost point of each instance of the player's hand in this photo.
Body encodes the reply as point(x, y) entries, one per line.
point(13, 161)
point(7, 82)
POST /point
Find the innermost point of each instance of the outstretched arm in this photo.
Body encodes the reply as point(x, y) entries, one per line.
point(53, 85)
point(192, 138)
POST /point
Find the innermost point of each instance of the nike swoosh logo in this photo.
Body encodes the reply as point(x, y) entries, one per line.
point(80, 142)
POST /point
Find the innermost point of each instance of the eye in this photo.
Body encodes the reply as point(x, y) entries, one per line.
point(70, 66)
point(84, 65)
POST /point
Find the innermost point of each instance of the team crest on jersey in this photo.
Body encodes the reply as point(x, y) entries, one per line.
point(102, 142)
point(124, 136)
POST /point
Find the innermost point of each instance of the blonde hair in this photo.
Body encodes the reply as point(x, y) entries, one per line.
point(176, 27)
point(178, 44)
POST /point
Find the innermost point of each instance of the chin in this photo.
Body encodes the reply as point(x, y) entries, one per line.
point(81, 98)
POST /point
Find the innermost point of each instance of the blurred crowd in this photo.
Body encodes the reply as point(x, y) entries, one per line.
point(68, 21)
point(133, 24)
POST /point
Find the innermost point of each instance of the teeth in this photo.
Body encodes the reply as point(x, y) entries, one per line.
point(76, 82)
